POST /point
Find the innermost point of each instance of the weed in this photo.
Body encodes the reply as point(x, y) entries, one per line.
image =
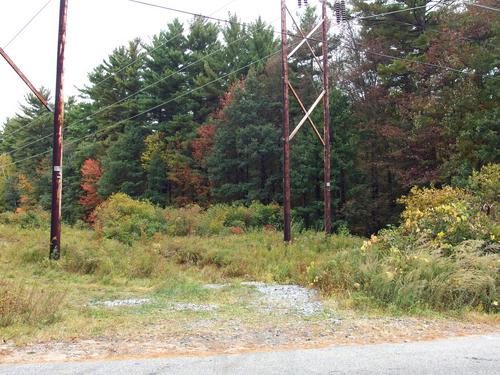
point(33, 306)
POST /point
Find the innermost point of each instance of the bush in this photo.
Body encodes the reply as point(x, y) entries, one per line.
point(32, 219)
point(183, 221)
point(448, 216)
point(127, 220)
point(486, 183)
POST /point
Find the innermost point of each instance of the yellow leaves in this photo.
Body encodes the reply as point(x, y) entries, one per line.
point(395, 250)
point(367, 244)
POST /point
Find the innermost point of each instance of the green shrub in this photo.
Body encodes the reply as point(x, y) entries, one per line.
point(486, 183)
point(127, 220)
point(448, 216)
point(183, 221)
point(32, 219)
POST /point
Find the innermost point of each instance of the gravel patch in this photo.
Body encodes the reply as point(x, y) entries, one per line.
point(122, 302)
point(215, 286)
point(192, 307)
point(287, 299)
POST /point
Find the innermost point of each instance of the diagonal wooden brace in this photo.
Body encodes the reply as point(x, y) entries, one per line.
point(314, 128)
point(308, 113)
point(305, 39)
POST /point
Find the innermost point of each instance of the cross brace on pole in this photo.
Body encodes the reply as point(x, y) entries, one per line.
point(308, 117)
point(324, 96)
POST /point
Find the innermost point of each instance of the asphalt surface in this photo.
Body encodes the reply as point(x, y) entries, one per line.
point(470, 355)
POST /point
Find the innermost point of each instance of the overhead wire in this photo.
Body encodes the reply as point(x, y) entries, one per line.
point(142, 56)
point(152, 108)
point(101, 110)
point(2, 136)
point(230, 21)
point(27, 24)
point(484, 7)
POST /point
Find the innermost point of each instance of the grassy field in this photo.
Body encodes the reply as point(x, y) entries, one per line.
point(42, 299)
point(45, 300)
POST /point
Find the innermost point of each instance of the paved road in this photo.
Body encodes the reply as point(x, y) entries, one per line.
point(471, 355)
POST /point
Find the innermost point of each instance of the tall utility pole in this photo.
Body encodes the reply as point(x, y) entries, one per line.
point(323, 96)
point(55, 222)
point(287, 195)
point(327, 222)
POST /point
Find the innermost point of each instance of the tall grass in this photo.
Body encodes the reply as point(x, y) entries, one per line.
point(28, 305)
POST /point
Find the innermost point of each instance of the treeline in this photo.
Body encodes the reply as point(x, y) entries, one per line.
point(194, 116)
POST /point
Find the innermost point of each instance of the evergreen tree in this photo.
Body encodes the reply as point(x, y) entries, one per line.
point(157, 190)
point(122, 171)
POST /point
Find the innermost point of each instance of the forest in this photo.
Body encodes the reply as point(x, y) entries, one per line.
point(194, 116)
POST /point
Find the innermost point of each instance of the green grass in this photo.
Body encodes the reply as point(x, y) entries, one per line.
point(173, 269)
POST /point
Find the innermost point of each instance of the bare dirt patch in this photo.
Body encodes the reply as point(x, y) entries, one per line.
point(281, 317)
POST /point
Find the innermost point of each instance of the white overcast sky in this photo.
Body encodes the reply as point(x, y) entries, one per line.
point(95, 28)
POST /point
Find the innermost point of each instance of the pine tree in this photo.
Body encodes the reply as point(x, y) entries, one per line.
point(157, 190)
point(122, 171)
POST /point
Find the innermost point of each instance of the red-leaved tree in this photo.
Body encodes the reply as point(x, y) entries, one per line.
point(91, 173)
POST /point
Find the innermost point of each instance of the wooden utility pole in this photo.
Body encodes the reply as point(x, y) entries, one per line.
point(323, 96)
point(327, 222)
point(25, 79)
point(55, 222)
point(286, 129)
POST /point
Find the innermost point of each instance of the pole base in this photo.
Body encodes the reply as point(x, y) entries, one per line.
point(55, 253)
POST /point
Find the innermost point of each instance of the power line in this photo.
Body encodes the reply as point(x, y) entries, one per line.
point(181, 11)
point(212, 53)
point(133, 94)
point(384, 14)
point(28, 23)
point(154, 107)
point(414, 61)
point(155, 49)
point(30, 143)
point(136, 92)
point(223, 20)
point(484, 7)
point(2, 136)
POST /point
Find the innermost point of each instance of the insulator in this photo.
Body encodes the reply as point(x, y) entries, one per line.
point(300, 3)
point(305, 2)
point(343, 10)
point(336, 9)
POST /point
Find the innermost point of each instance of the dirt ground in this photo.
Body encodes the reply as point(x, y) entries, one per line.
point(282, 318)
